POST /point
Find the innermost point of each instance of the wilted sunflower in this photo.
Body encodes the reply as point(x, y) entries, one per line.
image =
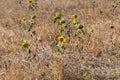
point(80, 26)
point(61, 39)
point(24, 20)
point(30, 2)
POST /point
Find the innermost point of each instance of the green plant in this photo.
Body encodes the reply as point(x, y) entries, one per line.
point(32, 5)
point(60, 43)
point(78, 27)
point(24, 44)
point(31, 22)
point(65, 27)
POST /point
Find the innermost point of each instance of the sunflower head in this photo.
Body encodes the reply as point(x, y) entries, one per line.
point(91, 30)
point(57, 15)
point(80, 26)
point(74, 16)
point(24, 20)
point(30, 2)
point(74, 20)
point(61, 39)
point(118, 2)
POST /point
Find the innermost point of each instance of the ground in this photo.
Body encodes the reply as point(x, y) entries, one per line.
point(91, 54)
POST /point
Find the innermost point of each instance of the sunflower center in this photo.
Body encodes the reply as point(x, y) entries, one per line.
point(61, 39)
point(30, 1)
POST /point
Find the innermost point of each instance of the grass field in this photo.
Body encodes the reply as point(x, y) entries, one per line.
point(35, 45)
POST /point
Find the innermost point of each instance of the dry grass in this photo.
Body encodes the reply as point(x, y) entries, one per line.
point(95, 57)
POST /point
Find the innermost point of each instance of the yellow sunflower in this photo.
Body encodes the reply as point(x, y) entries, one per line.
point(61, 39)
point(30, 2)
point(57, 15)
point(74, 21)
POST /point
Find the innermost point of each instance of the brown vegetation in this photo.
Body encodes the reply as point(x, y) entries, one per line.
point(90, 56)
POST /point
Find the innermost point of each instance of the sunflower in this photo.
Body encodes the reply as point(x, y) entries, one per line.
point(61, 39)
point(24, 20)
point(74, 16)
point(74, 21)
point(80, 26)
point(57, 15)
point(30, 2)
